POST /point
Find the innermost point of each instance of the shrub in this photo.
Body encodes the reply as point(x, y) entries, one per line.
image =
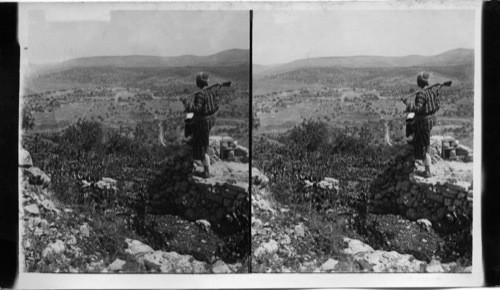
point(310, 135)
point(117, 144)
point(28, 121)
point(82, 136)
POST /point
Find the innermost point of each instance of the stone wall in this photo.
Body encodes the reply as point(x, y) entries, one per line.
point(399, 189)
point(222, 199)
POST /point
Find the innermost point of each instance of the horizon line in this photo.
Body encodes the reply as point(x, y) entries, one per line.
point(129, 55)
point(361, 55)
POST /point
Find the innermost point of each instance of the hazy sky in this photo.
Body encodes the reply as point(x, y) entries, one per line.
point(284, 36)
point(62, 32)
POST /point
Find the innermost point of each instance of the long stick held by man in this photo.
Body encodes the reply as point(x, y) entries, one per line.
point(203, 104)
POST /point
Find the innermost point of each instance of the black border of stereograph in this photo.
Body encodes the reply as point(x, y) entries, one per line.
point(9, 108)
point(491, 156)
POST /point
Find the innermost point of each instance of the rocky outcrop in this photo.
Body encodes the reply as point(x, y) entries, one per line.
point(33, 174)
point(142, 258)
point(34, 183)
point(277, 240)
point(370, 260)
point(222, 198)
point(445, 199)
point(57, 238)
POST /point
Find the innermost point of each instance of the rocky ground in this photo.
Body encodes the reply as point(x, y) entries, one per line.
point(58, 237)
point(287, 241)
point(448, 168)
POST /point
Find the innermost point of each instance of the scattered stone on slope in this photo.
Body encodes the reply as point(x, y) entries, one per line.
point(85, 231)
point(137, 248)
point(166, 268)
point(71, 240)
point(235, 267)
point(269, 248)
point(38, 231)
point(50, 206)
point(55, 248)
point(329, 183)
point(31, 209)
point(219, 267)
point(259, 179)
point(382, 261)
point(199, 267)
point(256, 222)
point(179, 263)
point(169, 262)
point(36, 176)
point(329, 265)
point(448, 267)
point(425, 224)
point(204, 224)
point(25, 160)
point(356, 246)
point(434, 267)
point(153, 260)
point(299, 231)
point(107, 183)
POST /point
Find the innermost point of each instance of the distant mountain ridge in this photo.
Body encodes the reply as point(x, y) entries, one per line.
point(453, 57)
point(226, 57)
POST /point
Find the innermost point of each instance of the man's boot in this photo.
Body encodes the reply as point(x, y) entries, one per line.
point(206, 171)
point(206, 166)
point(427, 173)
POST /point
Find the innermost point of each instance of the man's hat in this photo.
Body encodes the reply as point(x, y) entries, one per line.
point(424, 76)
point(202, 76)
point(202, 79)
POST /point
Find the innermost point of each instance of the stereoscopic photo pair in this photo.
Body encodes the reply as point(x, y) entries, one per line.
point(218, 141)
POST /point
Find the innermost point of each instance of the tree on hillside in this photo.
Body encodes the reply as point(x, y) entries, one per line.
point(28, 121)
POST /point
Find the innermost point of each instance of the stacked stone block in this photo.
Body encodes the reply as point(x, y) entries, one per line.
point(177, 190)
point(400, 190)
point(452, 150)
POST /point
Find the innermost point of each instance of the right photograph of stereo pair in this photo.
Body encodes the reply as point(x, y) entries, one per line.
point(363, 141)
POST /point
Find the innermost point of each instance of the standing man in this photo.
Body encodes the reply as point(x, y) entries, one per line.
point(425, 106)
point(204, 107)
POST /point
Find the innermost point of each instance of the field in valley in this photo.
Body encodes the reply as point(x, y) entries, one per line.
point(354, 97)
point(128, 98)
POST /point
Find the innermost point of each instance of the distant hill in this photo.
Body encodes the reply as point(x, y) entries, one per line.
point(450, 58)
point(223, 58)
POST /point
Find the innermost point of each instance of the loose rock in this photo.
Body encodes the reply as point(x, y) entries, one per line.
point(137, 248)
point(55, 248)
point(299, 231)
point(434, 267)
point(31, 209)
point(25, 158)
point(204, 224)
point(84, 230)
point(269, 248)
point(329, 265)
point(220, 267)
